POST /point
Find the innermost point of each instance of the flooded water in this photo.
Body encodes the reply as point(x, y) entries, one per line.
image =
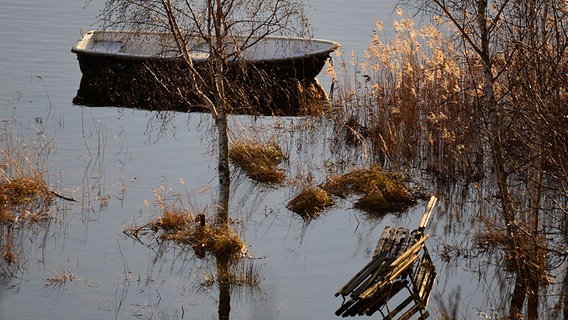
point(110, 159)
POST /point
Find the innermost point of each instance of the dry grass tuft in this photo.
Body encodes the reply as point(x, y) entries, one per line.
point(179, 225)
point(20, 194)
point(310, 202)
point(172, 221)
point(381, 192)
point(25, 198)
point(259, 161)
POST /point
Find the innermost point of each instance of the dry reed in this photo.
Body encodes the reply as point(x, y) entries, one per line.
point(381, 192)
point(25, 198)
point(411, 105)
point(179, 225)
point(259, 161)
point(310, 202)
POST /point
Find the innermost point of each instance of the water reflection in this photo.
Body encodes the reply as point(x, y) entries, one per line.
point(289, 97)
point(223, 272)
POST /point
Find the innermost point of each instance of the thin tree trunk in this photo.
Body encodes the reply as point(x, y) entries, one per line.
point(535, 264)
point(223, 168)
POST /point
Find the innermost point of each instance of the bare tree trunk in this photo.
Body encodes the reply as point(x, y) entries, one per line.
point(223, 169)
point(518, 298)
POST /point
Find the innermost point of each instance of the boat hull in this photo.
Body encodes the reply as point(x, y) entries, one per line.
point(276, 57)
point(300, 68)
point(268, 82)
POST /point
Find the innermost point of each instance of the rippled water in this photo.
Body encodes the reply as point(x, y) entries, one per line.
point(120, 155)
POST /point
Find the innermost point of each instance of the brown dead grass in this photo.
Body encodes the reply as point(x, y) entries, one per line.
point(182, 227)
point(25, 199)
point(259, 161)
point(380, 192)
point(310, 202)
point(21, 193)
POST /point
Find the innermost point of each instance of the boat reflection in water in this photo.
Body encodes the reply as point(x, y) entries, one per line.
point(144, 70)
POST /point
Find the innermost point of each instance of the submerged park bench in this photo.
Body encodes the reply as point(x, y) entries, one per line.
point(396, 265)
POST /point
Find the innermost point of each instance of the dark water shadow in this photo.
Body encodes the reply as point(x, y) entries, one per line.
point(148, 90)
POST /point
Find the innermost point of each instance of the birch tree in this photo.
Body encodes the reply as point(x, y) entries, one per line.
point(218, 23)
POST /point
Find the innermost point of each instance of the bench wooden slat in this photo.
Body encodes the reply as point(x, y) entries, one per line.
point(396, 264)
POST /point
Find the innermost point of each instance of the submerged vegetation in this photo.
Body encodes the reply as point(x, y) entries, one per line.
point(245, 272)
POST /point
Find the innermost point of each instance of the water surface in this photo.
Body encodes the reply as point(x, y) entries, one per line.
point(110, 159)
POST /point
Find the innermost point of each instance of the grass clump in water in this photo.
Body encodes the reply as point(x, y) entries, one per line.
point(259, 161)
point(24, 198)
point(177, 224)
point(381, 192)
point(310, 202)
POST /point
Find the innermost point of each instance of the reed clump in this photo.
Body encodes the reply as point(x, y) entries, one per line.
point(25, 199)
point(310, 202)
point(179, 225)
point(380, 192)
point(20, 196)
point(259, 161)
point(419, 104)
